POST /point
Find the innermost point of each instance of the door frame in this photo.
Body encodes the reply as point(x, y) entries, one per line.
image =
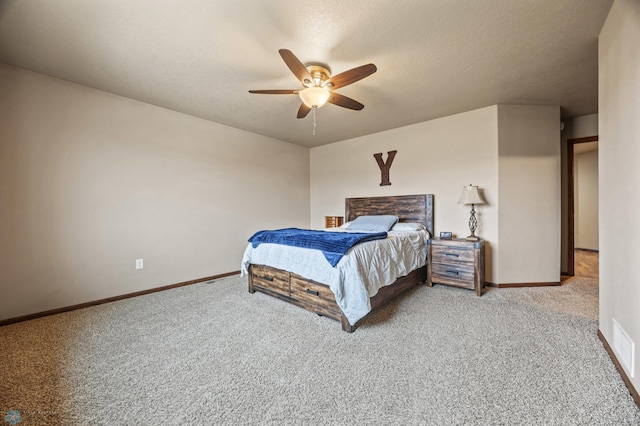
point(571, 244)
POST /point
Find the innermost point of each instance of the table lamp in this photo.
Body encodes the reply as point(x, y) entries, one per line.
point(471, 196)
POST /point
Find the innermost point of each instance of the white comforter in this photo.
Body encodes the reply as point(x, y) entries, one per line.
point(359, 274)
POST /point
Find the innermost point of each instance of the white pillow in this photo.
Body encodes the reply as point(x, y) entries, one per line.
point(379, 223)
point(408, 226)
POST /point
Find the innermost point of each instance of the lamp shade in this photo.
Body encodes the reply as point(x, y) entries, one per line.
point(314, 97)
point(470, 195)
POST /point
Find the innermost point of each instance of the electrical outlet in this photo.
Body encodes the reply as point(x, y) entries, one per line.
point(139, 264)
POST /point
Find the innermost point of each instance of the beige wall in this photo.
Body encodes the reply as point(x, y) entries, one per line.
point(90, 181)
point(583, 126)
point(529, 168)
point(441, 156)
point(93, 181)
point(585, 181)
point(438, 157)
point(619, 174)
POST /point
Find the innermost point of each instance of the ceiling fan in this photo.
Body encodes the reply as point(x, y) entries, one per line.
point(319, 84)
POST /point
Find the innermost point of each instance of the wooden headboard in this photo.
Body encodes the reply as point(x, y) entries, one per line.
point(409, 208)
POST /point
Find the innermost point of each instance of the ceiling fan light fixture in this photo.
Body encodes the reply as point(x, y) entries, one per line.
point(314, 97)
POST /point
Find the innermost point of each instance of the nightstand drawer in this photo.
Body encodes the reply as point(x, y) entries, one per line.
point(453, 274)
point(443, 254)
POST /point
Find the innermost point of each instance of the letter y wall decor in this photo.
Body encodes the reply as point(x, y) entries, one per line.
point(385, 166)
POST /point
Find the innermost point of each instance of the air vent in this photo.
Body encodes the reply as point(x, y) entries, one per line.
point(624, 348)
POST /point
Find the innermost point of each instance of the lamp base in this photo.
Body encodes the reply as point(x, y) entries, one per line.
point(472, 238)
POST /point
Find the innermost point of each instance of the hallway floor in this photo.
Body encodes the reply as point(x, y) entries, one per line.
point(586, 264)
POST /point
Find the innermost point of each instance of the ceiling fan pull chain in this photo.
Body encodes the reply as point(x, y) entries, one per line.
point(314, 120)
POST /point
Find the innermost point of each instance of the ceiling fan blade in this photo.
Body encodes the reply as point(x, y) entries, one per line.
point(296, 67)
point(345, 102)
point(350, 76)
point(274, 92)
point(303, 111)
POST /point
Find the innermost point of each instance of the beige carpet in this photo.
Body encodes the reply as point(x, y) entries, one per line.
point(212, 353)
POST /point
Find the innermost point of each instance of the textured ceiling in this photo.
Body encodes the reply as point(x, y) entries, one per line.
point(200, 57)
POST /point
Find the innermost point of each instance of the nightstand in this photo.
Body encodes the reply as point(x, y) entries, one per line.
point(333, 221)
point(456, 262)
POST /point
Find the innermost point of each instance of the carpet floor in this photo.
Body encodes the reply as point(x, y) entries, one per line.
point(211, 353)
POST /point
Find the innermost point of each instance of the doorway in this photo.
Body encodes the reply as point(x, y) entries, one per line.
point(582, 227)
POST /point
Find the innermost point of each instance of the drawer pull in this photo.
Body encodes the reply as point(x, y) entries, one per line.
point(451, 255)
point(270, 279)
point(452, 272)
point(315, 293)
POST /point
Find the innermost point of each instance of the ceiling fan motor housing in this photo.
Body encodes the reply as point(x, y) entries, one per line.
point(319, 74)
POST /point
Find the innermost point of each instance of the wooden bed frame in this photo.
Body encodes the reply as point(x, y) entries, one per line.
point(317, 297)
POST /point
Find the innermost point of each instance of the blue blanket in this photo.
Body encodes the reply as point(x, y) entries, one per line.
point(332, 244)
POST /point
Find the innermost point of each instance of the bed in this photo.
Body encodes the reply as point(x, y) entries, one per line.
point(278, 274)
